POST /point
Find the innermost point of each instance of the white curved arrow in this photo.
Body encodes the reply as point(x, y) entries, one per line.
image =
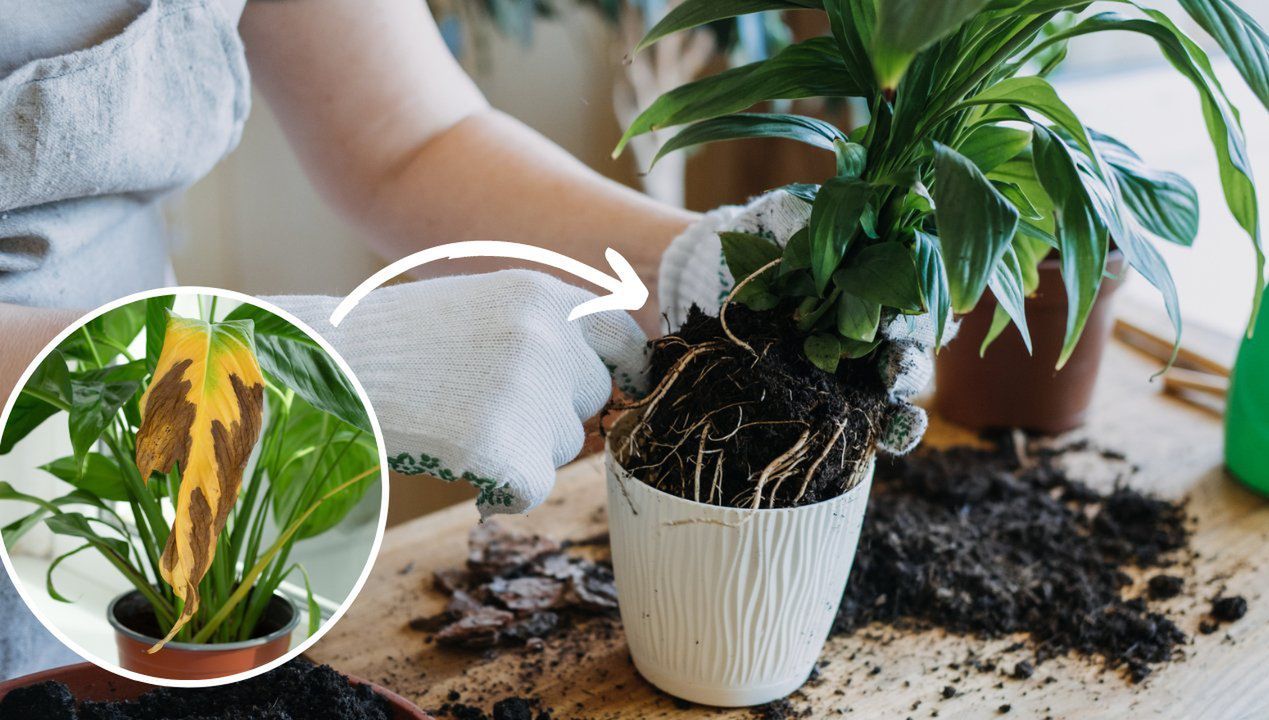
point(626, 290)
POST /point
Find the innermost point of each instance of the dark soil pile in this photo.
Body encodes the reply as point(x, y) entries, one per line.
point(1000, 541)
point(516, 589)
point(756, 426)
point(512, 708)
point(298, 690)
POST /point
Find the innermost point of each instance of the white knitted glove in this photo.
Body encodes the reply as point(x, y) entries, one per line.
point(693, 271)
point(482, 377)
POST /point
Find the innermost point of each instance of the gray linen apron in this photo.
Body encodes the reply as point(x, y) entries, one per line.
point(90, 140)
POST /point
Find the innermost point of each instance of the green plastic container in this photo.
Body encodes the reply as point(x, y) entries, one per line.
point(1247, 411)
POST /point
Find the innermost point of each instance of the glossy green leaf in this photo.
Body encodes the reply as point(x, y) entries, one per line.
point(99, 475)
point(975, 224)
point(834, 221)
point(811, 131)
point(1081, 234)
point(1165, 203)
point(807, 69)
point(797, 252)
point(313, 375)
point(824, 351)
point(265, 322)
point(157, 311)
point(851, 23)
point(694, 13)
point(1034, 93)
point(932, 277)
point(991, 145)
point(747, 253)
point(905, 27)
point(73, 524)
point(1006, 285)
point(45, 393)
point(883, 273)
point(52, 568)
point(852, 158)
point(857, 318)
point(94, 406)
point(111, 332)
point(1240, 36)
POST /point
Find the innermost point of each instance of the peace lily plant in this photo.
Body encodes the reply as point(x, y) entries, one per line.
point(971, 168)
point(754, 449)
point(199, 465)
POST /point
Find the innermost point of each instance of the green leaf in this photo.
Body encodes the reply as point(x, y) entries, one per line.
point(314, 610)
point(111, 332)
point(824, 351)
point(157, 310)
point(852, 158)
point(1081, 234)
point(812, 310)
point(265, 322)
point(804, 129)
point(747, 253)
point(694, 13)
point(99, 475)
point(834, 221)
point(883, 273)
point(46, 392)
point(308, 370)
point(1006, 285)
point(48, 576)
point(1223, 126)
point(852, 23)
point(797, 252)
point(905, 27)
point(1018, 199)
point(77, 525)
point(1242, 39)
point(802, 191)
point(932, 277)
point(991, 145)
point(999, 321)
point(94, 406)
point(857, 318)
point(1034, 93)
point(1165, 203)
point(807, 69)
point(975, 224)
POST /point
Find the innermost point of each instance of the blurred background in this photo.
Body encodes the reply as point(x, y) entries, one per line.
point(558, 66)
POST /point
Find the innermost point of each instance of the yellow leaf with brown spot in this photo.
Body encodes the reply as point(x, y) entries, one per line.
point(201, 414)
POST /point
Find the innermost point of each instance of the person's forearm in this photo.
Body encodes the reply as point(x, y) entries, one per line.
point(491, 178)
point(26, 331)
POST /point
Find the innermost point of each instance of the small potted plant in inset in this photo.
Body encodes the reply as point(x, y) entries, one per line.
point(737, 485)
point(195, 470)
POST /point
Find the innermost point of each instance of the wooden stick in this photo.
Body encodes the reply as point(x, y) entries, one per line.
point(1178, 379)
point(1160, 348)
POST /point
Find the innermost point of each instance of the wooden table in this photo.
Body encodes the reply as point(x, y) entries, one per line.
point(1178, 447)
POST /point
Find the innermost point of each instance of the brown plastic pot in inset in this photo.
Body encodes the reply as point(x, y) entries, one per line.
point(89, 682)
point(1006, 387)
point(136, 631)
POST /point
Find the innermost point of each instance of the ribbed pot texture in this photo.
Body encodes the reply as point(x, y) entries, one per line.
point(724, 606)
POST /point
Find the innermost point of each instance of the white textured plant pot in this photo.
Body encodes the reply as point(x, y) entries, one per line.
point(724, 606)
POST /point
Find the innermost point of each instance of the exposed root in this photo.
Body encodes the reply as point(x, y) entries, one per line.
point(722, 310)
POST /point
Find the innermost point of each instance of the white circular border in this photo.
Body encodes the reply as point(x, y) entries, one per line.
point(383, 482)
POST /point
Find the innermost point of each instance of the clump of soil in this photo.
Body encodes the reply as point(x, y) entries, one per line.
point(991, 542)
point(517, 588)
point(740, 417)
point(511, 708)
point(298, 690)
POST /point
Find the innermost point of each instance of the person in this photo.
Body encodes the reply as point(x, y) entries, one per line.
point(108, 107)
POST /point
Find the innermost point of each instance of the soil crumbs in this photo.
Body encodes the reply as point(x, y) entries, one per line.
point(991, 542)
point(298, 690)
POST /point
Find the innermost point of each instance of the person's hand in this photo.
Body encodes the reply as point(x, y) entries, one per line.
point(482, 377)
point(693, 272)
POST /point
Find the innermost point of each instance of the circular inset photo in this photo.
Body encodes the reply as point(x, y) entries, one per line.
point(192, 487)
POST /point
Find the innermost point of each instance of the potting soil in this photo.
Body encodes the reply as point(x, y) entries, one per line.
point(990, 542)
point(298, 690)
point(722, 414)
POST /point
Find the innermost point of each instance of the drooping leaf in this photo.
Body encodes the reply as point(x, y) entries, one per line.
point(1034, 93)
point(694, 13)
point(809, 130)
point(1081, 234)
point(47, 391)
point(834, 221)
point(905, 27)
point(811, 68)
point(975, 225)
point(1165, 203)
point(933, 279)
point(94, 406)
point(1006, 285)
point(1240, 36)
point(99, 475)
point(313, 375)
point(883, 273)
point(201, 414)
point(266, 323)
point(52, 567)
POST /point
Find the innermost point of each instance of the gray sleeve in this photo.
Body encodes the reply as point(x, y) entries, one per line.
point(25, 646)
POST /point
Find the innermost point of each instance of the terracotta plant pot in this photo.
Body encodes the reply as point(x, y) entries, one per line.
point(1008, 388)
point(136, 631)
point(727, 606)
point(89, 682)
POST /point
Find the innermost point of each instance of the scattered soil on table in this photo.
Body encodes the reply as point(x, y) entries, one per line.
point(511, 708)
point(298, 690)
point(751, 426)
point(991, 542)
point(517, 589)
